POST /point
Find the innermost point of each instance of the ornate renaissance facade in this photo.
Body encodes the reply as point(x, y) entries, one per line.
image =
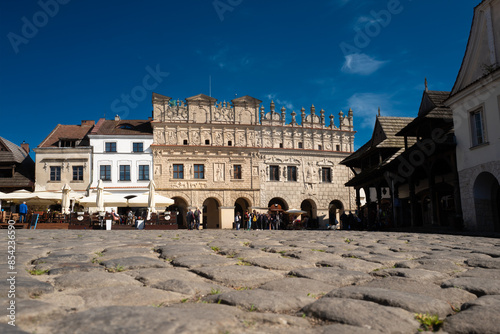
point(228, 157)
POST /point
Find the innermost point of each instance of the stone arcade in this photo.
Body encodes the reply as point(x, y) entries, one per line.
point(231, 156)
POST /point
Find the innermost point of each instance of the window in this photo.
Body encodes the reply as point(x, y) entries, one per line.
point(274, 173)
point(229, 143)
point(138, 147)
point(199, 171)
point(207, 141)
point(320, 147)
point(300, 144)
point(67, 143)
point(77, 173)
point(291, 173)
point(105, 172)
point(178, 171)
point(237, 172)
point(185, 142)
point(55, 173)
point(338, 148)
point(281, 145)
point(326, 175)
point(143, 172)
point(477, 127)
point(110, 147)
point(124, 172)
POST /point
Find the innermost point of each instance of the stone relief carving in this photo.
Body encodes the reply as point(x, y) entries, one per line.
point(195, 135)
point(157, 169)
point(250, 139)
point(218, 172)
point(218, 138)
point(223, 112)
point(240, 139)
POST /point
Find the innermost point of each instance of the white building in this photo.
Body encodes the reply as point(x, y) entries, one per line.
point(122, 156)
point(475, 101)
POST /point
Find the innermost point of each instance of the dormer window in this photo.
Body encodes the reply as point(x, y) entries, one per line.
point(126, 127)
point(67, 142)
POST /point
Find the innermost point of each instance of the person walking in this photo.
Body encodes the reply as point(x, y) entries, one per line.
point(23, 210)
point(237, 220)
point(190, 219)
point(197, 214)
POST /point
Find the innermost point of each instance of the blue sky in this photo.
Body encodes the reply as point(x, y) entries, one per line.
point(62, 61)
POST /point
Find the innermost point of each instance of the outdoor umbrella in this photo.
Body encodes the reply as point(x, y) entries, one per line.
point(151, 198)
point(296, 211)
point(65, 199)
point(142, 200)
point(108, 199)
point(100, 196)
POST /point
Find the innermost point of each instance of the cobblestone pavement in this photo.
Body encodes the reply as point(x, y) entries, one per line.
point(252, 282)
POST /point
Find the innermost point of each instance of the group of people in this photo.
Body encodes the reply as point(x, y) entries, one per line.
point(258, 221)
point(193, 219)
point(128, 219)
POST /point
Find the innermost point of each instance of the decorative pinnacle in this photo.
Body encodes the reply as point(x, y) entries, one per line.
point(283, 109)
point(379, 111)
point(426, 87)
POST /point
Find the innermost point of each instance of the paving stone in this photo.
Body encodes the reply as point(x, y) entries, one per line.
point(453, 296)
point(492, 263)
point(128, 296)
point(189, 287)
point(151, 276)
point(346, 329)
point(209, 318)
point(279, 263)
point(25, 287)
point(196, 261)
point(298, 286)
point(412, 302)
point(135, 262)
point(334, 276)
point(352, 264)
point(417, 274)
point(94, 280)
point(479, 316)
point(363, 314)
point(238, 276)
point(493, 274)
point(9, 329)
point(66, 268)
point(439, 265)
point(261, 300)
point(173, 251)
point(476, 285)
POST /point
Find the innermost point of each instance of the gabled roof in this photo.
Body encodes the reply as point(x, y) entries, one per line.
point(133, 127)
point(201, 98)
point(75, 132)
point(482, 55)
point(390, 126)
point(10, 152)
point(24, 173)
point(432, 113)
point(246, 99)
point(159, 97)
point(383, 137)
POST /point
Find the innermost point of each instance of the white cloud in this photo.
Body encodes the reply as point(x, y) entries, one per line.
point(365, 107)
point(360, 63)
point(279, 102)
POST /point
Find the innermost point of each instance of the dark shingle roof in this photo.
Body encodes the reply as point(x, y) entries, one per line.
point(391, 126)
point(14, 153)
point(122, 127)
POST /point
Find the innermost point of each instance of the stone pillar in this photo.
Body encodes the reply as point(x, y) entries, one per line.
point(432, 189)
point(226, 217)
point(413, 201)
point(368, 204)
point(358, 202)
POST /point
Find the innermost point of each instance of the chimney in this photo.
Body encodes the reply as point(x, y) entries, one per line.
point(89, 123)
point(25, 147)
point(117, 118)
